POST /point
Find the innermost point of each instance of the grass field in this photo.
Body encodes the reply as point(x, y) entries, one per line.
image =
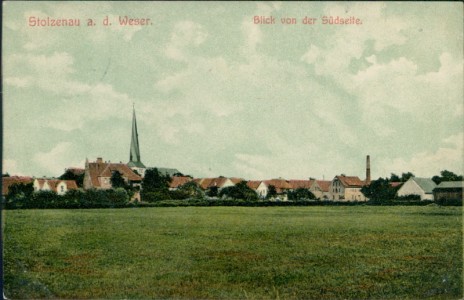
point(234, 252)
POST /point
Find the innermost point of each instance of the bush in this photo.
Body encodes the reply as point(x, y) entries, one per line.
point(408, 197)
point(155, 196)
point(72, 199)
point(449, 202)
point(239, 191)
point(300, 194)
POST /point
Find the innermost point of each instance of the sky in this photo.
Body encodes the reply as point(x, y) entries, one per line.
point(216, 94)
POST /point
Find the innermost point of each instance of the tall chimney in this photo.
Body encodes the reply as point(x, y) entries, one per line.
point(368, 169)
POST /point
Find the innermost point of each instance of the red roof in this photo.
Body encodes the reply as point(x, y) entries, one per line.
point(236, 180)
point(9, 181)
point(253, 184)
point(178, 181)
point(350, 181)
point(53, 183)
point(280, 184)
point(206, 183)
point(395, 184)
point(324, 185)
point(103, 169)
point(297, 184)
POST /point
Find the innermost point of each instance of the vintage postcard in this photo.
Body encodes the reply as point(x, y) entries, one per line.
point(232, 149)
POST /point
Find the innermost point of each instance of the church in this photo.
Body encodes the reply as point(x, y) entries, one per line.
point(98, 173)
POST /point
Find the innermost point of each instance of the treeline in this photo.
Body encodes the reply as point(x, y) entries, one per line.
point(23, 196)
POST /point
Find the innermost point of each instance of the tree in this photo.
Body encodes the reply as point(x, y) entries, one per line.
point(300, 194)
point(117, 181)
point(213, 191)
point(19, 195)
point(20, 189)
point(239, 191)
point(446, 176)
point(379, 189)
point(192, 190)
point(405, 176)
point(394, 178)
point(69, 175)
point(155, 186)
point(155, 181)
point(271, 191)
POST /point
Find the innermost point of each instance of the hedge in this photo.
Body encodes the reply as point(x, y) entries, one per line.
point(72, 199)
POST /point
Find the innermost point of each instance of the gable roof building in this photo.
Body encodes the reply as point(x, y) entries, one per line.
point(449, 190)
point(281, 185)
point(55, 185)
point(346, 188)
point(259, 186)
point(320, 189)
point(300, 184)
point(98, 174)
point(178, 181)
point(219, 182)
point(418, 186)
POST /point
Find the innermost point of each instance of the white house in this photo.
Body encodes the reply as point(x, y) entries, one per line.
point(55, 185)
point(260, 187)
point(418, 186)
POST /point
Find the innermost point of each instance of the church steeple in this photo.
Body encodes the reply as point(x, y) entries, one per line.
point(134, 156)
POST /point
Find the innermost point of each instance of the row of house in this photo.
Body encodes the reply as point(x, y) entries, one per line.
point(340, 188)
point(58, 186)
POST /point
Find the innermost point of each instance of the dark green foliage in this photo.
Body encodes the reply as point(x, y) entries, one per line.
point(154, 181)
point(192, 190)
point(300, 194)
point(154, 196)
point(213, 191)
point(449, 202)
point(239, 191)
point(72, 199)
point(408, 197)
point(155, 186)
point(394, 178)
point(68, 175)
point(117, 181)
point(446, 176)
point(19, 194)
point(406, 176)
point(379, 189)
point(271, 192)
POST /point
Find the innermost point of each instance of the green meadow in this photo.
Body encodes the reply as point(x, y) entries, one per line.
point(234, 252)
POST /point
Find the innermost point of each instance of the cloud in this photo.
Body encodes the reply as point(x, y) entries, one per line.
point(55, 74)
point(10, 166)
point(57, 159)
point(448, 156)
point(184, 35)
point(18, 82)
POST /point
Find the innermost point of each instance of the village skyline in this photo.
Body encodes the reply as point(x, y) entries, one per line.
point(224, 96)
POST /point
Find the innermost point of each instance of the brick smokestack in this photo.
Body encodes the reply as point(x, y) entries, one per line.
point(368, 169)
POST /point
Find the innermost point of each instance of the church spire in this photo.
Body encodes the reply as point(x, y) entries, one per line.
point(134, 156)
